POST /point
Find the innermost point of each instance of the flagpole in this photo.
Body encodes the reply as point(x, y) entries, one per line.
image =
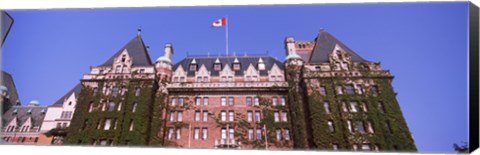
point(226, 34)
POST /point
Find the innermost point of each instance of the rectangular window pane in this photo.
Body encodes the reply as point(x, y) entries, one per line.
point(249, 101)
point(287, 134)
point(274, 101)
point(284, 116)
point(180, 116)
point(224, 116)
point(278, 134)
point(223, 101)
point(250, 116)
point(224, 133)
point(205, 101)
point(231, 116)
point(257, 116)
point(197, 116)
point(250, 134)
point(178, 134)
point(197, 101)
point(277, 117)
point(204, 133)
point(205, 116)
point(107, 124)
point(259, 134)
point(257, 102)
point(323, 91)
point(230, 101)
point(326, 106)
point(196, 133)
point(282, 101)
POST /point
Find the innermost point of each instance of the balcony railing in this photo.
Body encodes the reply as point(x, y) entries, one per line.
point(226, 143)
point(227, 85)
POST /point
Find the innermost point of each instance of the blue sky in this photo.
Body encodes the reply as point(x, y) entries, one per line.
point(424, 45)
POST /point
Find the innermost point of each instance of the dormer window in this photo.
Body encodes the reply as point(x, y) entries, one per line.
point(123, 58)
point(29, 111)
point(217, 67)
point(193, 67)
point(261, 66)
point(236, 66)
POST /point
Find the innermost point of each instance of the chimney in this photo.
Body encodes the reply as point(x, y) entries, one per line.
point(168, 51)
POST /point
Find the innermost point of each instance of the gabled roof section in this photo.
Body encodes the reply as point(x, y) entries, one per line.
point(22, 115)
point(325, 44)
point(137, 50)
point(75, 90)
point(244, 61)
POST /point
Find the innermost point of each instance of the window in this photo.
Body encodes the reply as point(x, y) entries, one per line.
point(197, 101)
point(193, 67)
point(381, 108)
point(180, 101)
point(172, 116)
point(90, 108)
point(284, 116)
point(115, 124)
point(174, 101)
point(111, 106)
point(376, 147)
point(196, 133)
point(231, 134)
point(70, 103)
point(230, 101)
point(375, 91)
point(278, 134)
point(326, 105)
point(287, 134)
point(366, 147)
point(180, 116)
point(197, 116)
point(175, 79)
point(236, 66)
point(353, 107)
point(257, 116)
point(349, 125)
point(355, 147)
point(95, 91)
point(249, 101)
point(170, 133)
point(231, 116)
point(205, 116)
point(103, 142)
point(115, 91)
point(282, 101)
point(337, 66)
point(339, 90)
point(205, 79)
point(257, 102)
point(259, 134)
point(134, 109)
point(349, 89)
point(277, 117)
point(182, 79)
point(119, 106)
point(364, 107)
point(217, 67)
point(331, 127)
point(370, 127)
point(224, 78)
point(359, 127)
point(335, 146)
point(317, 68)
point(224, 116)
point(199, 79)
point(360, 89)
point(204, 133)
point(178, 133)
point(131, 125)
point(205, 101)
point(107, 124)
point(274, 101)
point(250, 116)
point(261, 66)
point(344, 107)
point(59, 125)
point(250, 134)
point(224, 133)
point(137, 91)
point(223, 101)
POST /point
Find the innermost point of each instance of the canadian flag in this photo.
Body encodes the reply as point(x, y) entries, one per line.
point(220, 22)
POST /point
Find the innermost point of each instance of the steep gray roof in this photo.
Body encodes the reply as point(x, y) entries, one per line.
point(75, 90)
point(137, 50)
point(325, 44)
point(245, 61)
point(7, 80)
point(22, 115)
point(6, 25)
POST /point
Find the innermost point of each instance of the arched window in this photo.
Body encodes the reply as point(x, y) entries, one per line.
point(137, 91)
point(95, 90)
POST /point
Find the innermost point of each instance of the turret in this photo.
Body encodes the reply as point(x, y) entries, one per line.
point(163, 64)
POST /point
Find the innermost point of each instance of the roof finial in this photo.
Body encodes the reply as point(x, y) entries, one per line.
point(139, 30)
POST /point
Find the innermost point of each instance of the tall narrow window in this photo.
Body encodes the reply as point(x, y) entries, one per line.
point(178, 133)
point(364, 107)
point(198, 101)
point(282, 101)
point(323, 91)
point(389, 127)
point(205, 116)
point(339, 89)
point(349, 125)
point(223, 101)
point(119, 106)
point(259, 134)
point(230, 101)
point(331, 127)
point(174, 101)
point(249, 116)
point(204, 133)
point(137, 91)
point(95, 91)
point(284, 116)
point(170, 133)
point(349, 89)
point(277, 117)
point(274, 101)
point(180, 116)
point(107, 124)
point(249, 101)
point(326, 106)
point(114, 91)
point(370, 127)
point(257, 102)
point(196, 133)
point(224, 116)
point(231, 134)
point(197, 116)
point(134, 109)
point(287, 134)
point(359, 127)
point(257, 116)
point(205, 100)
point(353, 106)
point(278, 134)
point(375, 91)
point(90, 108)
point(250, 134)
point(381, 108)
point(131, 125)
point(344, 107)
point(180, 101)
point(335, 146)
point(224, 133)
point(360, 88)
point(231, 116)
point(172, 116)
point(111, 106)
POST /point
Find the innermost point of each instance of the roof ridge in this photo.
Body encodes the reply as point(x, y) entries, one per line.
point(136, 49)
